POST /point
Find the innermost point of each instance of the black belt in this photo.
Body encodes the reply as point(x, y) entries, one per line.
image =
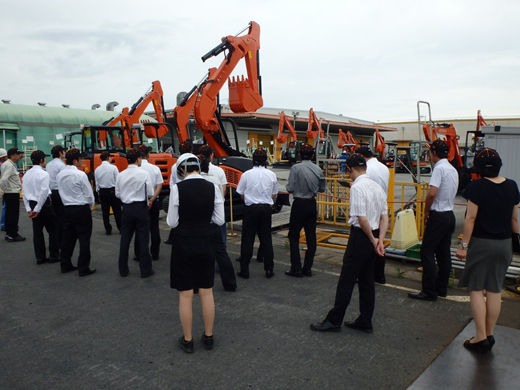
point(374, 232)
point(305, 198)
point(138, 202)
point(440, 212)
point(78, 205)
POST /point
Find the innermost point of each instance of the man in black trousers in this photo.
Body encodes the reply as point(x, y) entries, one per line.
point(78, 199)
point(10, 186)
point(368, 223)
point(54, 167)
point(134, 188)
point(440, 224)
point(106, 175)
point(36, 198)
point(258, 188)
point(305, 181)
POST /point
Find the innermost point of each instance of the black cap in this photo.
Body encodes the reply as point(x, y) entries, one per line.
point(365, 151)
point(487, 158)
point(356, 160)
point(37, 156)
point(12, 151)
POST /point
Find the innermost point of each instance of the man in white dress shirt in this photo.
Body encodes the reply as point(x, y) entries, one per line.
point(78, 199)
point(378, 172)
point(440, 224)
point(258, 188)
point(368, 223)
point(134, 188)
point(105, 176)
point(36, 198)
point(54, 167)
point(157, 182)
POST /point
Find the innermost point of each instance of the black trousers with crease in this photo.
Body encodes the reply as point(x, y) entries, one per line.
point(45, 219)
point(135, 219)
point(77, 227)
point(256, 220)
point(358, 265)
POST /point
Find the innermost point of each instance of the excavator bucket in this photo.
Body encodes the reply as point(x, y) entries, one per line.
point(242, 98)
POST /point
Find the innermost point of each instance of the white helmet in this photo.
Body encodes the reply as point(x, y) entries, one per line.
point(184, 161)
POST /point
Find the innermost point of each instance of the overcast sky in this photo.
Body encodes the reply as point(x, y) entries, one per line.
point(365, 59)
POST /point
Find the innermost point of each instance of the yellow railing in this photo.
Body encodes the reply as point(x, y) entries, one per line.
point(333, 205)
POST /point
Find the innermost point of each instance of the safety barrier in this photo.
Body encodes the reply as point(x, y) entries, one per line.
point(333, 205)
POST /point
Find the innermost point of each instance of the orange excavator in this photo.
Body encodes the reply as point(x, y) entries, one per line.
point(292, 150)
point(346, 141)
point(434, 131)
point(245, 94)
point(314, 128)
point(380, 145)
point(134, 131)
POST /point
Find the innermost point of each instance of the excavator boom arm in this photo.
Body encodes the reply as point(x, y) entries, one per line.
point(282, 124)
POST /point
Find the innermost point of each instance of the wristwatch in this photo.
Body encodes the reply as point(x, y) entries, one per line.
point(464, 245)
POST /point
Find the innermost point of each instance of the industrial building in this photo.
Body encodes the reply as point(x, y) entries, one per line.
point(409, 130)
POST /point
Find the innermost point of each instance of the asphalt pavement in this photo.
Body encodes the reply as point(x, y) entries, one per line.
point(60, 331)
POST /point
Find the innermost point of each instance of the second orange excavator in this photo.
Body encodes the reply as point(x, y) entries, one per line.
point(245, 94)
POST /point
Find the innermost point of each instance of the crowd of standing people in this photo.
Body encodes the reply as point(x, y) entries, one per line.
point(59, 197)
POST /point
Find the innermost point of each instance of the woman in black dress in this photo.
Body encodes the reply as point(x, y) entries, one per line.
point(491, 219)
point(195, 203)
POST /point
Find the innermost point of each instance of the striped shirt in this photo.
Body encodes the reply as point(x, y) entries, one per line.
point(367, 199)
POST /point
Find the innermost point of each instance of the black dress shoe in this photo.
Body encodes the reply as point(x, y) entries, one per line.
point(68, 268)
point(359, 326)
point(269, 273)
point(480, 347)
point(124, 273)
point(325, 326)
point(380, 280)
point(186, 346)
point(491, 340)
point(87, 272)
point(53, 260)
point(42, 261)
point(243, 274)
point(422, 296)
point(296, 274)
point(207, 341)
point(232, 288)
point(168, 242)
point(306, 272)
point(108, 233)
point(16, 238)
point(147, 275)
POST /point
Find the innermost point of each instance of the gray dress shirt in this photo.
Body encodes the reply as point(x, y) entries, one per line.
point(306, 180)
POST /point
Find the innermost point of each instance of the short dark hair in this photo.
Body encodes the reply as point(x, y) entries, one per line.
point(440, 148)
point(487, 162)
point(306, 152)
point(104, 156)
point(71, 155)
point(365, 151)
point(37, 157)
point(259, 157)
point(56, 150)
point(132, 155)
point(205, 150)
point(186, 147)
point(12, 151)
point(356, 160)
point(144, 150)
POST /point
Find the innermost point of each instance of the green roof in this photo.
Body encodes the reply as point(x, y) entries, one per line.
point(55, 116)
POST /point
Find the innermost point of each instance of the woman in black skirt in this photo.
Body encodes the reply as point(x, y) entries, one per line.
point(491, 219)
point(195, 203)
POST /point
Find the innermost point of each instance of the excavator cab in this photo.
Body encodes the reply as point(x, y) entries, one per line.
point(98, 139)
